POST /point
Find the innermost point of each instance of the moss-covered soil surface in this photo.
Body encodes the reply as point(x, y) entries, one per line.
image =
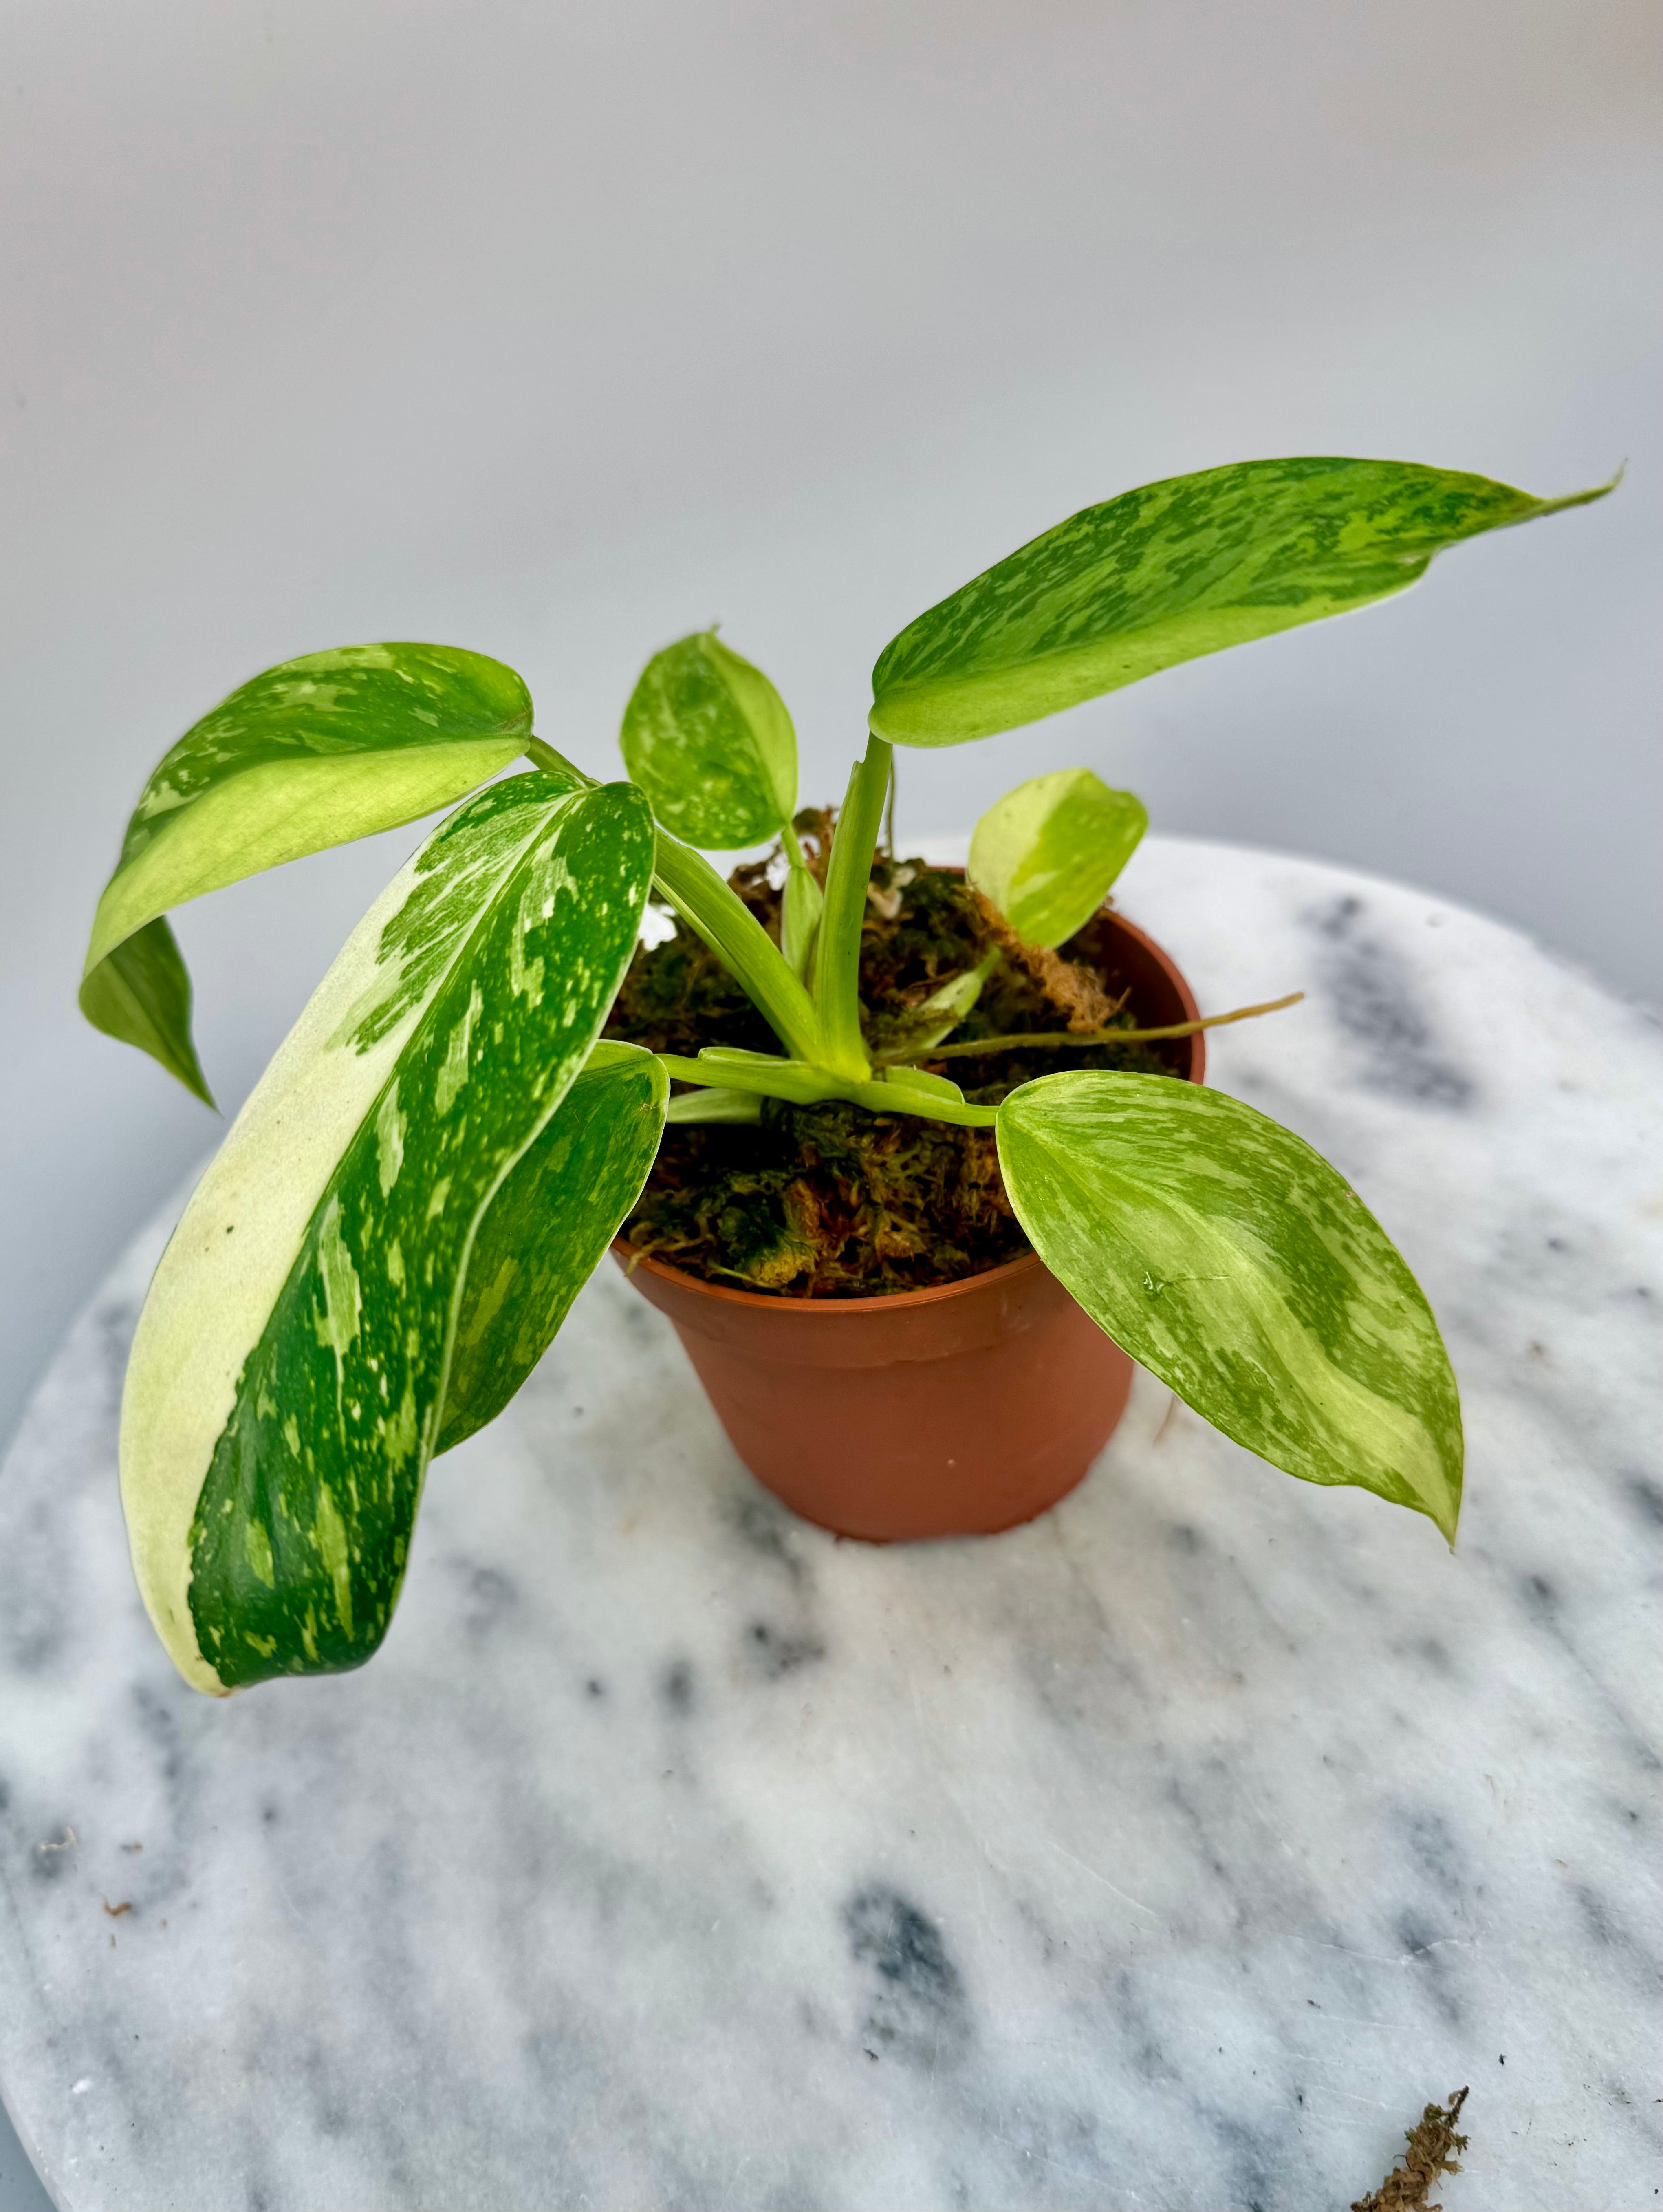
point(832, 1201)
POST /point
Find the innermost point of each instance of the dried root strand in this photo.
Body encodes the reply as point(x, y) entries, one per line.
point(1037, 1040)
point(1426, 2160)
point(1074, 991)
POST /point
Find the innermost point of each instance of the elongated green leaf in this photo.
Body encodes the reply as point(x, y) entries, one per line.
point(841, 1044)
point(547, 1228)
point(801, 905)
point(939, 1015)
point(1222, 1253)
point(1047, 853)
point(313, 753)
point(708, 739)
point(1169, 572)
point(716, 914)
point(292, 1359)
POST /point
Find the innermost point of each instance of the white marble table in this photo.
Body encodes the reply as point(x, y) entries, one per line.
point(1168, 1853)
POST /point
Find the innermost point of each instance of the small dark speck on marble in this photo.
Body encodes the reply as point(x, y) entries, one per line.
point(760, 1524)
point(1595, 1918)
point(776, 1653)
point(1539, 1595)
point(1428, 1837)
point(1648, 1499)
point(675, 1687)
point(491, 1594)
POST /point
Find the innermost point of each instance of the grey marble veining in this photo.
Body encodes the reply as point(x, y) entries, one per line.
point(1168, 1853)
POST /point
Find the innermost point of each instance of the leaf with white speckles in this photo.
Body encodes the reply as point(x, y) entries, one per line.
point(1225, 1255)
point(289, 1378)
point(1171, 571)
point(1047, 852)
point(707, 738)
point(312, 753)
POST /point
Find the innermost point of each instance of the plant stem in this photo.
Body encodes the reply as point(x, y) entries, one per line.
point(553, 763)
point(800, 1085)
point(837, 971)
point(719, 918)
point(968, 1049)
point(888, 814)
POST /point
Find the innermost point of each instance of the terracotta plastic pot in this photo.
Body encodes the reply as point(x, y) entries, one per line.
point(957, 1411)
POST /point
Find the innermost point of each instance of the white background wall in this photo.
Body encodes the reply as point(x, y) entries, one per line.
point(555, 330)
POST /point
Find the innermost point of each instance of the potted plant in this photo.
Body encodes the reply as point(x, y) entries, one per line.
point(448, 1140)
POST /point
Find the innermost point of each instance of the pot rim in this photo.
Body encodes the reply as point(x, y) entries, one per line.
point(896, 1301)
point(933, 1293)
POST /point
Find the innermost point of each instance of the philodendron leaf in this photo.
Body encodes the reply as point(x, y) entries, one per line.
point(312, 753)
point(1169, 572)
point(708, 739)
point(1047, 853)
point(291, 1362)
point(1226, 1256)
point(547, 1228)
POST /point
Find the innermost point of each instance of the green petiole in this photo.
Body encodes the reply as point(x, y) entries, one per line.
point(1063, 1040)
point(721, 918)
point(854, 843)
point(802, 1083)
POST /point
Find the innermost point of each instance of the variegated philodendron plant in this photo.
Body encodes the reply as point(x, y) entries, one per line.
point(442, 1149)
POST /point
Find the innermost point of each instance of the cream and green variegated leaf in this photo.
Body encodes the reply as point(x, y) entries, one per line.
point(708, 739)
point(289, 1371)
point(1226, 1256)
point(1172, 571)
point(312, 753)
point(1047, 852)
point(547, 1228)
